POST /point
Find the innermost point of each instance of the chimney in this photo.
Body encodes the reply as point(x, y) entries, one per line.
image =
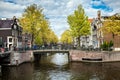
point(99, 14)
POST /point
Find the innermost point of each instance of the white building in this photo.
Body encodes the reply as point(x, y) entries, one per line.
point(95, 39)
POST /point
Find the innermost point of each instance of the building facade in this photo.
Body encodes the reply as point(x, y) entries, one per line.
point(98, 37)
point(86, 41)
point(26, 40)
point(95, 39)
point(110, 37)
point(10, 33)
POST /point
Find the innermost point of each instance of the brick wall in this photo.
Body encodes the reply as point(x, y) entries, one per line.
point(77, 55)
point(115, 39)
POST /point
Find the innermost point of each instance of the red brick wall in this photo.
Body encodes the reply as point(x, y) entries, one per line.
point(4, 34)
point(115, 39)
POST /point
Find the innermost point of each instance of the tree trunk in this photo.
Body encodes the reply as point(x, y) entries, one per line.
point(32, 41)
point(113, 39)
point(86, 41)
point(79, 41)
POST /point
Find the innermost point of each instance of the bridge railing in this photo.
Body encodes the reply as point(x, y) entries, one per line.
point(57, 47)
point(53, 47)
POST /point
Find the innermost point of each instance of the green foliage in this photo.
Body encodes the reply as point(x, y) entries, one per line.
point(38, 41)
point(110, 44)
point(66, 37)
point(104, 46)
point(107, 45)
point(79, 24)
point(52, 37)
point(112, 25)
point(34, 22)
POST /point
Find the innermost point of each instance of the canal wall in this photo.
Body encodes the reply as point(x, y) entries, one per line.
point(94, 56)
point(111, 56)
point(17, 58)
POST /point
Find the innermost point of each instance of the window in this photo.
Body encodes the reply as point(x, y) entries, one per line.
point(10, 39)
point(0, 41)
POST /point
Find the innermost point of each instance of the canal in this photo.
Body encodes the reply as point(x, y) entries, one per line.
point(57, 67)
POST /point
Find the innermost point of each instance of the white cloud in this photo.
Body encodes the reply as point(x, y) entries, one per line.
point(96, 3)
point(114, 4)
point(10, 9)
point(56, 10)
point(59, 25)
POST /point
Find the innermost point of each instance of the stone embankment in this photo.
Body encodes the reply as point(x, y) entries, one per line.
point(94, 56)
point(17, 58)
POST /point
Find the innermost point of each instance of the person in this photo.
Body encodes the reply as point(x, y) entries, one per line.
point(15, 49)
point(2, 50)
point(43, 46)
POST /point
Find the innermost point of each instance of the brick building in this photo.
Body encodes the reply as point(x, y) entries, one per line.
point(97, 37)
point(110, 37)
point(10, 33)
point(115, 39)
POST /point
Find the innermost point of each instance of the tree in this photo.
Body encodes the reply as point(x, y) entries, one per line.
point(34, 22)
point(46, 37)
point(52, 38)
point(107, 45)
point(66, 37)
point(112, 25)
point(111, 28)
point(79, 24)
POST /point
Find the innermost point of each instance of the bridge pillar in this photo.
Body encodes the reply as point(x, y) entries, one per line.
point(37, 57)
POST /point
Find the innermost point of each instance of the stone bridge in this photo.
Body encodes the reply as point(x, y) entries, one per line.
point(50, 50)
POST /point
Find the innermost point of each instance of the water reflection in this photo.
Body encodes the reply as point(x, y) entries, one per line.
point(95, 71)
point(58, 59)
point(53, 67)
point(23, 72)
point(56, 67)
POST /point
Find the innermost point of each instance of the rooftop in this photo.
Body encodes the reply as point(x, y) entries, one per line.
point(6, 23)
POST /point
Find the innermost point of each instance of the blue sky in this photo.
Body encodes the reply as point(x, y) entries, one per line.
point(58, 10)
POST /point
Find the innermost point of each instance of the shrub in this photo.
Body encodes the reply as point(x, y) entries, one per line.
point(106, 45)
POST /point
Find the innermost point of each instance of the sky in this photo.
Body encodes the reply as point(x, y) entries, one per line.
point(58, 10)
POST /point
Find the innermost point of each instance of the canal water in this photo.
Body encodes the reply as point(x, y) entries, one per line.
point(57, 67)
